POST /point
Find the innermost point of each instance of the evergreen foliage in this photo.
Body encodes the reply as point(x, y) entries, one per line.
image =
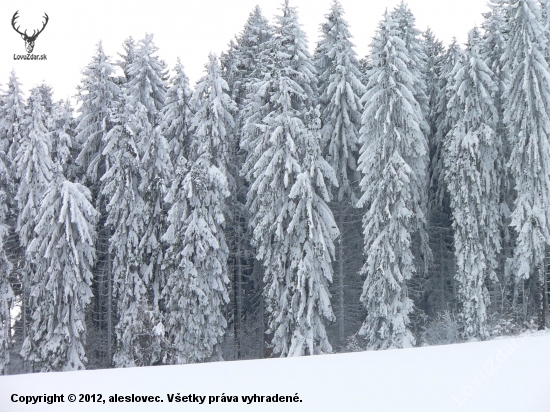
point(473, 172)
point(287, 182)
point(527, 118)
point(340, 92)
point(64, 255)
point(393, 168)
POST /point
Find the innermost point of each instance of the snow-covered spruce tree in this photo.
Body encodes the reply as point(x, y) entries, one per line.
point(63, 137)
point(295, 53)
point(290, 41)
point(11, 117)
point(135, 342)
point(433, 50)
point(48, 105)
point(411, 36)
point(134, 189)
point(178, 251)
point(312, 231)
point(281, 239)
point(436, 289)
point(147, 77)
point(213, 119)
point(203, 265)
point(241, 66)
point(240, 63)
point(293, 227)
point(404, 18)
point(494, 45)
point(97, 95)
point(63, 253)
point(33, 168)
point(129, 46)
point(440, 288)
point(11, 112)
point(392, 162)
point(196, 260)
point(473, 172)
point(495, 39)
point(526, 115)
point(177, 114)
point(444, 119)
point(340, 92)
point(147, 88)
point(6, 292)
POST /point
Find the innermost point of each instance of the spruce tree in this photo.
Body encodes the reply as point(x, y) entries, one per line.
point(127, 58)
point(177, 114)
point(340, 92)
point(213, 125)
point(63, 137)
point(97, 95)
point(404, 18)
point(196, 288)
point(242, 65)
point(12, 113)
point(134, 187)
point(394, 172)
point(213, 119)
point(63, 254)
point(33, 169)
point(295, 53)
point(136, 342)
point(433, 50)
point(438, 296)
point(33, 166)
point(294, 229)
point(6, 291)
point(444, 120)
point(196, 285)
point(147, 88)
point(526, 116)
point(494, 45)
point(473, 173)
point(411, 36)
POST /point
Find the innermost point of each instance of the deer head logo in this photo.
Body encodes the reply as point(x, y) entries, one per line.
point(29, 40)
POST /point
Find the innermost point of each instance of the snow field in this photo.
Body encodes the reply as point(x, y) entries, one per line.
point(507, 375)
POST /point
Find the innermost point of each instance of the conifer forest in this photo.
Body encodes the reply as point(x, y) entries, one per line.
point(291, 203)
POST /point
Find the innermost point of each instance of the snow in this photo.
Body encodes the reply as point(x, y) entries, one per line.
point(507, 375)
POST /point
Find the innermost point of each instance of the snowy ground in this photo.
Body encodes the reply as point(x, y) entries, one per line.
point(507, 375)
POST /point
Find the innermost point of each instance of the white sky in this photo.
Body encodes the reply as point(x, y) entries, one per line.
point(184, 28)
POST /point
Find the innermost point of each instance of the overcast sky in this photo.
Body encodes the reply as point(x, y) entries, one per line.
point(185, 28)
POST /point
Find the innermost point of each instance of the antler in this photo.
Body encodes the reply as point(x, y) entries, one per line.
point(34, 34)
point(15, 16)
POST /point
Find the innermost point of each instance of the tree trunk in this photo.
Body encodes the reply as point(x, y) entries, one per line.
point(109, 311)
point(442, 272)
point(239, 334)
point(341, 313)
point(24, 309)
point(543, 295)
